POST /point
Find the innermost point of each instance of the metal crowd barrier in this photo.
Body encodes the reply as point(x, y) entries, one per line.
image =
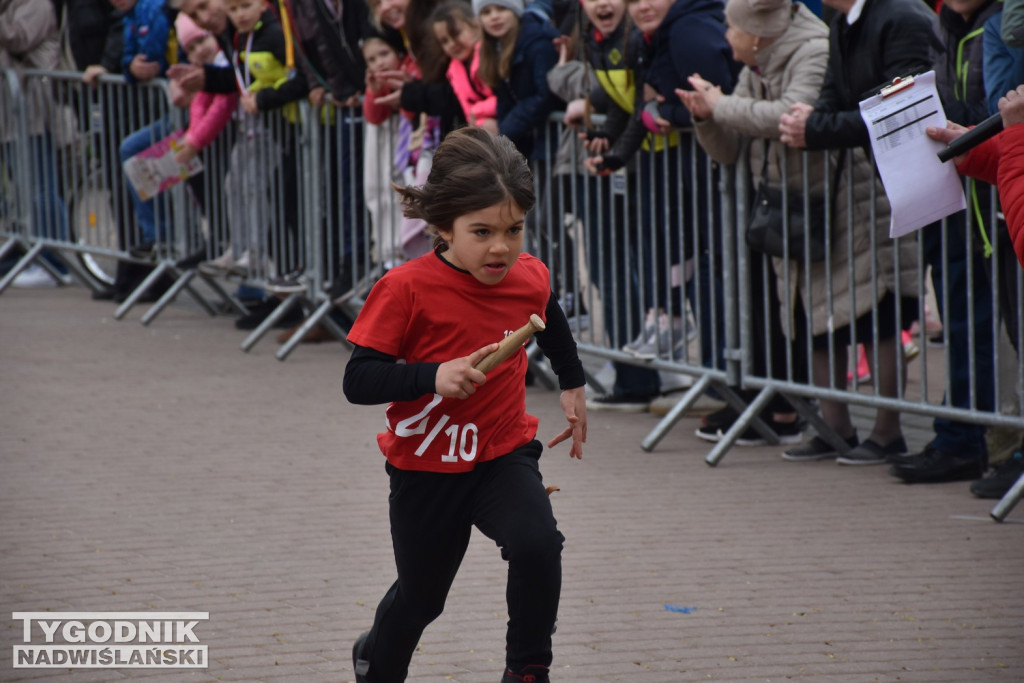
point(657, 245)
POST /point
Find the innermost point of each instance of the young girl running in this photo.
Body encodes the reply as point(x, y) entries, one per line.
point(460, 447)
point(458, 33)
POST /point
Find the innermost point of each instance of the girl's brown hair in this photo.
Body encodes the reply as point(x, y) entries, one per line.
point(496, 56)
point(450, 13)
point(472, 170)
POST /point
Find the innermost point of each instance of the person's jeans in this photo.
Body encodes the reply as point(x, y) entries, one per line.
point(49, 213)
point(954, 437)
point(150, 214)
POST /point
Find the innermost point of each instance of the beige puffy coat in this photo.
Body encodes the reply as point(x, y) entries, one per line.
point(29, 39)
point(792, 69)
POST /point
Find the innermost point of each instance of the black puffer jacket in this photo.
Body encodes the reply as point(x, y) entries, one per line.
point(95, 34)
point(890, 38)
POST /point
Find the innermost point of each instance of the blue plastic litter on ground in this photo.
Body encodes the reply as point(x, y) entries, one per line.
point(680, 609)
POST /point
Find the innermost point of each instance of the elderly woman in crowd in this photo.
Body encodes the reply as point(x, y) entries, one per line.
point(785, 51)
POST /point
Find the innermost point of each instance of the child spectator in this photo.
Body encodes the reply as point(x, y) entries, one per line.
point(516, 54)
point(209, 113)
point(458, 33)
point(147, 27)
point(398, 149)
point(146, 45)
point(483, 469)
point(265, 85)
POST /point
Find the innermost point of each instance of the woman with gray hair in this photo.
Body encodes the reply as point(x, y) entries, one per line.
point(784, 48)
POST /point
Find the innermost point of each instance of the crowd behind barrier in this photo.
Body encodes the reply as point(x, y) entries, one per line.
point(621, 260)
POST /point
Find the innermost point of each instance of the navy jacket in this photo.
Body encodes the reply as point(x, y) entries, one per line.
point(691, 39)
point(524, 99)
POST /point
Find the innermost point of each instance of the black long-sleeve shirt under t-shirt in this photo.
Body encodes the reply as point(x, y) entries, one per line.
point(372, 377)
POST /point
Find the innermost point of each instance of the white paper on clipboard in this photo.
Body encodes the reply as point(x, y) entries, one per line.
point(921, 189)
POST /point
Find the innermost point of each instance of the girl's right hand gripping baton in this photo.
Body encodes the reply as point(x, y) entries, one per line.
point(510, 344)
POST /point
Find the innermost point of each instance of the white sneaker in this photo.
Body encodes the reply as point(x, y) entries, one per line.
point(241, 266)
point(36, 277)
point(669, 340)
point(645, 336)
point(219, 264)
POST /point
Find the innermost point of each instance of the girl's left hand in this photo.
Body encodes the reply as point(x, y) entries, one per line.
point(574, 405)
point(249, 103)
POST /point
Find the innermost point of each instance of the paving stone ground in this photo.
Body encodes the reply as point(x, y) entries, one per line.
point(161, 468)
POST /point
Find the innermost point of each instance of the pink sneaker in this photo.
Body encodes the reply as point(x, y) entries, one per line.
point(863, 371)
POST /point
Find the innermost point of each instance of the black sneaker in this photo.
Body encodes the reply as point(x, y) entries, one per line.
point(872, 453)
point(1001, 479)
point(535, 673)
point(816, 449)
point(935, 466)
point(360, 665)
point(788, 432)
point(625, 402)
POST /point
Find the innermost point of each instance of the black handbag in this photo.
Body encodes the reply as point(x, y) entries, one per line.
point(767, 232)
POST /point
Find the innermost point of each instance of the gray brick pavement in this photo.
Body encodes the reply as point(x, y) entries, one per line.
point(163, 469)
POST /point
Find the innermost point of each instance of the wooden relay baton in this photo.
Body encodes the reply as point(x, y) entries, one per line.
point(510, 344)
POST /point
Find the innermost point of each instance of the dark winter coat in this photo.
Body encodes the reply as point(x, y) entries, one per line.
point(890, 38)
point(333, 58)
point(95, 34)
point(524, 99)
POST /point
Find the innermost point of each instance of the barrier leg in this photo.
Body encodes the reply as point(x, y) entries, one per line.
point(675, 414)
point(749, 416)
point(75, 267)
point(225, 297)
point(319, 317)
point(8, 246)
point(133, 298)
point(278, 313)
point(21, 265)
point(815, 420)
point(199, 298)
point(170, 295)
point(1008, 501)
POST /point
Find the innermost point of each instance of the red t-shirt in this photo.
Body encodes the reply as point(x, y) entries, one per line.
point(428, 311)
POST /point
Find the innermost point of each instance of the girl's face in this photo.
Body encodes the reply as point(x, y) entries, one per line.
point(648, 14)
point(460, 45)
point(605, 15)
point(380, 56)
point(497, 21)
point(245, 14)
point(202, 50)
point(742, 44)
point(391, 12)
point(487, 242)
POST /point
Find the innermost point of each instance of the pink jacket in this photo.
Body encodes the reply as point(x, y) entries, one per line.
point(477, 100)
point(209, 113)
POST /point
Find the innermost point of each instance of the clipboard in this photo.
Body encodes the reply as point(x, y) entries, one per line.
point(921, 190)
point(898, 85)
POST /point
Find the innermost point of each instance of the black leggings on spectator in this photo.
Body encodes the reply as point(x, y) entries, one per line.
point(432, 516)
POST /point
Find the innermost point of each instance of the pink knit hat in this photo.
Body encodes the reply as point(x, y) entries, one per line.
point(187, 31)
point(764, 18)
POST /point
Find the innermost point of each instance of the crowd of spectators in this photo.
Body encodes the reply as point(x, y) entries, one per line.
point(679, 82)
